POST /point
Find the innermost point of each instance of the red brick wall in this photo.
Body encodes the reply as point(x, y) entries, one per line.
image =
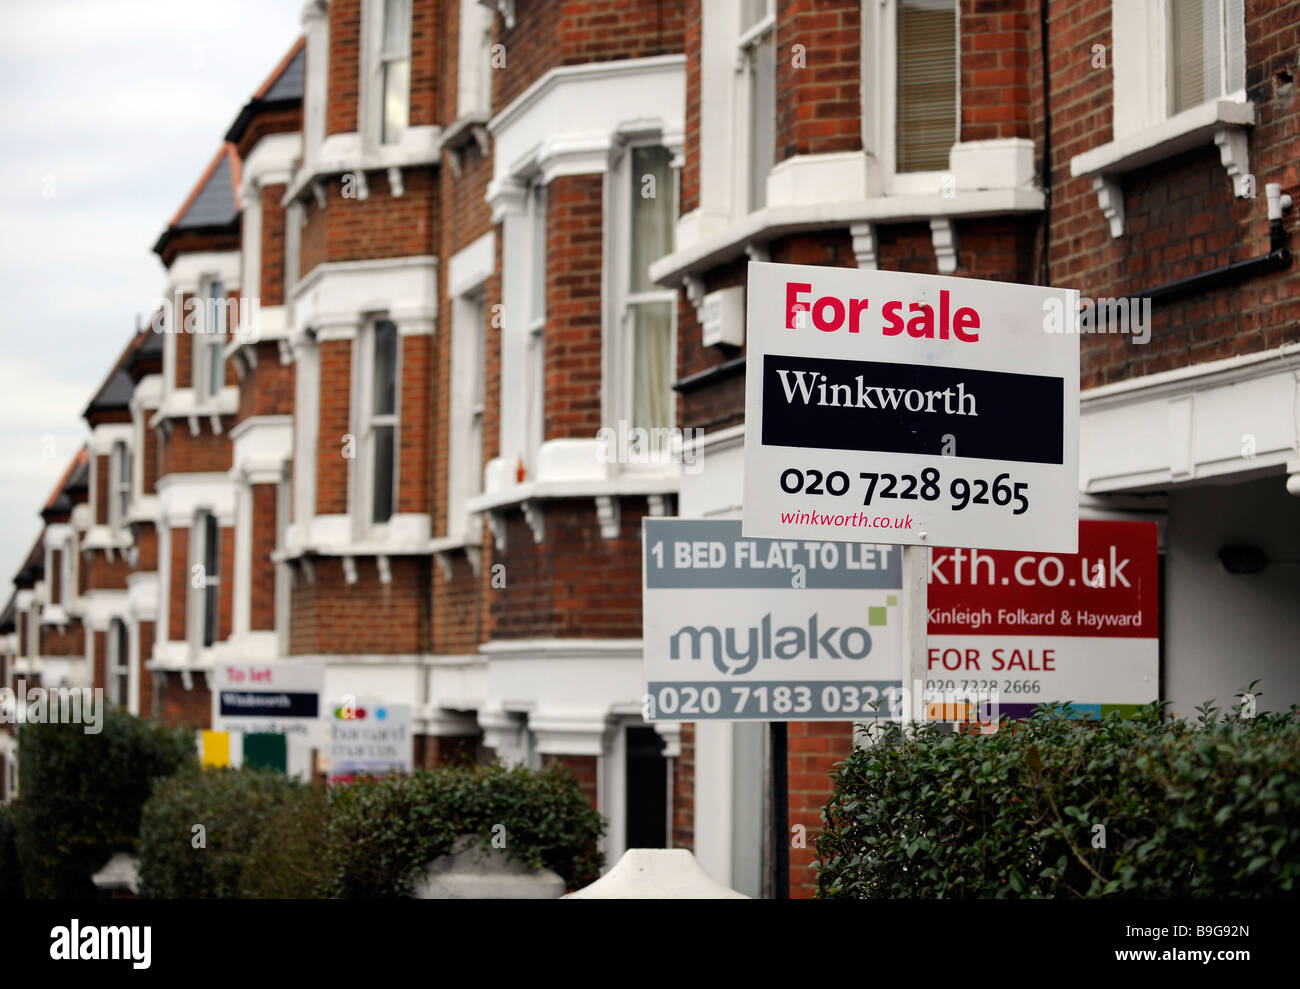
point(226, 591)
point(813, 749)
point(575, 583)
point(268, 389)
point(335, 391)
point(180, 584)
point(178, 706)
point(432, 751)
point(379, 226)
point(414, 479)
point(457, 622)
point(262, 600)
point(101, 490)
point(331, 616)
point(345, 67)
point(271, 287)
point(103, 573)
point(818, 104)
point(99, 672)
point(150, 467)
point(683, 835)
point(583, 768)
point(68, 640)
point(574, 246)
point(184, 453)
point(430, 40)
point(997, 38)
point(1181, 217)
point(548, 33)
point(146, 694)
point(146, 544)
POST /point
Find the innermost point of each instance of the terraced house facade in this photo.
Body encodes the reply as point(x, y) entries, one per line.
point(450, 247)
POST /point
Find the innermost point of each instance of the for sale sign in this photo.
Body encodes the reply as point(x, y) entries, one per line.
point(1035, 627)
point(890, 407)
point(766, 629)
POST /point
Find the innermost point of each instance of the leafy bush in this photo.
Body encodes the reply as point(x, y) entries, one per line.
point(1058, 807)
point(384, 831)
point(11, 882)
point(240, 811)
point(288, 861)
point(82, 795)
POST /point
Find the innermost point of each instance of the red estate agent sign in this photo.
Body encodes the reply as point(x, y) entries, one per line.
point(1041, 627)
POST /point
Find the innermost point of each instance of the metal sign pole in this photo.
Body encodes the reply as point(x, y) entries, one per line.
point(916, 592)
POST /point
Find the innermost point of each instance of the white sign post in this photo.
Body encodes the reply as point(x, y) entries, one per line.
point(890, 407)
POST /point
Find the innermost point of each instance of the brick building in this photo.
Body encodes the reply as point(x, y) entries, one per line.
point(446, 244)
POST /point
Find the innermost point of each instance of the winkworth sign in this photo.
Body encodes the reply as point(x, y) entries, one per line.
point(767, 629)
point(891, 407)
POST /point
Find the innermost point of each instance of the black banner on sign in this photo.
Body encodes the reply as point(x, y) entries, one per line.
point(269, 704)
point(819, 403)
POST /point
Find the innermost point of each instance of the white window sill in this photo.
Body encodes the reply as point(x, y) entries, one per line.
point(1170, 137)
point(771, 222)
point(1219, 122)
point(184, 403)
point(340, 153)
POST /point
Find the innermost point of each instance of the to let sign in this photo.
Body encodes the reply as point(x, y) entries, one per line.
point(889, 407)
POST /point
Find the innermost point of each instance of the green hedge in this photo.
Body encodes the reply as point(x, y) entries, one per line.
point(241, 812)
point(267, 836)
point(384, 831)
point(11, 881)
point(1210, 809)
point(82, 795)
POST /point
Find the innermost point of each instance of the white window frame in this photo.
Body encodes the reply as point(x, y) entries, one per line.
point(469, 405)
point(748, 43)
point(211, 343)
point(117, 664)
point(120, 481)
point(1141, 64)
point(374, 62)
point(621, 390)
point(362, 481)
point(535, 395)
point(198, 596)
point(880, 101)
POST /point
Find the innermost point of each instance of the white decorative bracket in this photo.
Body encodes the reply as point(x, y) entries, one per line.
point(1110, 197)
point(350, 569)
point(536, 520)
point(658, 505)
point(758, 252)
point(309, 568)
point(475, 560)
point(864, 245)
point(194, 425)
point(444, 564)
point(286, 351)
point(395, 182)
point(187, 679)
point(1235, 155)
point(318, 190)
point(608, 512)
point(944, 237)
point(215, 421)
point(363, 188)
point(507, 10)
point(694, 286)
point(385, 572)
point(497, 526)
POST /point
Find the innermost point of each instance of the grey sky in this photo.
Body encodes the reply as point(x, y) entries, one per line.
point(115, 107)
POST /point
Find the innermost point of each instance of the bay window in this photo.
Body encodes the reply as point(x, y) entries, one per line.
point(119, 493)
point(117, 664)
point(395, 70)
point(205, 579)
point(536, 382)
point(209, 371)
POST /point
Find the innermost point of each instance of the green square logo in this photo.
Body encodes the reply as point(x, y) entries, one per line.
point(876, 616)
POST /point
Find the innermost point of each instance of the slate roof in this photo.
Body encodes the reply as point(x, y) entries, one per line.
point(281, 89)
